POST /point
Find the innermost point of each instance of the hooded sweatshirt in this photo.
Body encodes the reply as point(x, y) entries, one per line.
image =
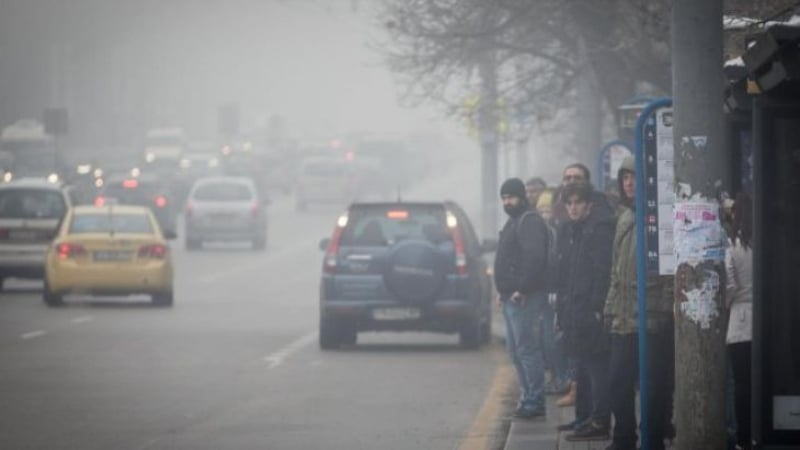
point(621, 305)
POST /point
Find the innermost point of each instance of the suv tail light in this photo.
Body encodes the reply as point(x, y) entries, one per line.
point(458, 244)
point(161, 201)
point(68, 250)
point(99, 201)
point(153, 251)
point(333, 246)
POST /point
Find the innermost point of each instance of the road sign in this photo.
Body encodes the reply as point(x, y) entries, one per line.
point(659, 174)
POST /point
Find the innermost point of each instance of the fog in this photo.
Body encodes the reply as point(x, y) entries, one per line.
point(122, 67)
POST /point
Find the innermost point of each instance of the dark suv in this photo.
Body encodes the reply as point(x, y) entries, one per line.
point(144, 190)
point(404, 266)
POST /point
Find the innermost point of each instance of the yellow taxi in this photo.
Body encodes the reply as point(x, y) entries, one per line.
point(109, 250)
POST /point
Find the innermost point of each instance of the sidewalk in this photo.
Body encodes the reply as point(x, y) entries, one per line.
point(542, 434)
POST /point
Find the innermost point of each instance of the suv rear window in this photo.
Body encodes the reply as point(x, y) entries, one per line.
point(223, 192)
point(108, 223)
point(31, 204)
point(142, 194)
point(387, 224)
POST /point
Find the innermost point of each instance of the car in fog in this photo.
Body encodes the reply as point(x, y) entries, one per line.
point(404, 266)
point(324, 180)
point(109, 250)
point(225, 209)
point(30, 213)
point(146, 190)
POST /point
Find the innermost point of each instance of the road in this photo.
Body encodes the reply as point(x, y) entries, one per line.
point(234, 365)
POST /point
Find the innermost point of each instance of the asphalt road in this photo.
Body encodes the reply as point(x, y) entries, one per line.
point(234, 365)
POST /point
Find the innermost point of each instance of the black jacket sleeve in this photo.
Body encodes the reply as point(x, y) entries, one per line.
point(532, 237)
point(600, 250)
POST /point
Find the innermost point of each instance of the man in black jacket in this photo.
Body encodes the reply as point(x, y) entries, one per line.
point(519, 269)
point(585, 248)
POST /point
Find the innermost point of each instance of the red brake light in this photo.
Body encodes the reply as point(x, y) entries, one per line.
point(154, 251)
point(161, 201)
point(99, 201)
point(254, 210)
point(397, 215)
point(333, 250)
point(130, 184)
point(66, 250)
point(189, 209)
point(458, 244)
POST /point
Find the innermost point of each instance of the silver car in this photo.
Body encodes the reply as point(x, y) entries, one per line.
point(30, 213)
point(225, 209)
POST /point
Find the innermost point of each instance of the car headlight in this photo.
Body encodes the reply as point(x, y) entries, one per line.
point(150, 157)
point(8, 176)
point(52, 178)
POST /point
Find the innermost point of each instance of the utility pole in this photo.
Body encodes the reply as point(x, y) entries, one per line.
point(700, 163)
point(488, 135)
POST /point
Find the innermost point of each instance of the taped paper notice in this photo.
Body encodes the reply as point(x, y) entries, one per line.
point(700, 306)
point(698, 233)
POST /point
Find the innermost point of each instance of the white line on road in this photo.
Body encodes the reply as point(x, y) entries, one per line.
point(276, 359)
point(83, 319)
point(33, 334)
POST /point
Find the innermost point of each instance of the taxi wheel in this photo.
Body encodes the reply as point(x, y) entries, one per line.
point(51, 298)
point(163, 299)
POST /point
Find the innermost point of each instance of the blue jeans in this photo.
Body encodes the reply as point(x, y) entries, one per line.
point(554, 357)
point(523, 340)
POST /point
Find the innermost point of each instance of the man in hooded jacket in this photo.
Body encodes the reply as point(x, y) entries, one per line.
point(621, 318)
point(519, 269)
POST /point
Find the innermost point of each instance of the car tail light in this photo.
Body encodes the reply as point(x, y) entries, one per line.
point(67, 250)
point(99, 201)
point(153, 251)
point(189, 210)
point(333, 246)
point(130, 184)
point(254, 210)
point(161, 201)
point(458, 244)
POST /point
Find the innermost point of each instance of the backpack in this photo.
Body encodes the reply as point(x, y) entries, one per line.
point(551, 261)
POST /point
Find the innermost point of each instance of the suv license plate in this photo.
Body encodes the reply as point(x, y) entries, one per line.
point(396, 313)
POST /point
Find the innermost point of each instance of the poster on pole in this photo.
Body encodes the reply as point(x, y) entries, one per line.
point(698, 232)
point(660, 192)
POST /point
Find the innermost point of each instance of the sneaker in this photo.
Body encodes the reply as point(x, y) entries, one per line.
point(571, 426)
point(529, 414)
point(592, 431)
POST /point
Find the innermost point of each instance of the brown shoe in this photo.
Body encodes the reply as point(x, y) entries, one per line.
point(569, 399)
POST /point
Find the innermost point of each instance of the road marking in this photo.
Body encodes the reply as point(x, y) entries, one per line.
point(481, 434)
point(33, 334)
point(276, 359)
point(83, 319)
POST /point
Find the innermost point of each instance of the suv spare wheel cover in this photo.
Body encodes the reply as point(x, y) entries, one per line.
point(415, 271)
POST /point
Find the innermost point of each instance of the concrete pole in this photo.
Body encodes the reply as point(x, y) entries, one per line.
point(700, 163)
point(489, 139)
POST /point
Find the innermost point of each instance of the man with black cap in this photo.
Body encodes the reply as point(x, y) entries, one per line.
point(519, 269)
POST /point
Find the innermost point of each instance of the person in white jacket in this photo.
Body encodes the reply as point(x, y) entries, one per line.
point(739, 295)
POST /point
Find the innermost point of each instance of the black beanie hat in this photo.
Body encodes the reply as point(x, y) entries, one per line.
point(513, 187)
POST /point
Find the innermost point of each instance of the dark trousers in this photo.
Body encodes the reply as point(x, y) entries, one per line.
point(739, 354)
point(623, 377)
point(594, 385)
